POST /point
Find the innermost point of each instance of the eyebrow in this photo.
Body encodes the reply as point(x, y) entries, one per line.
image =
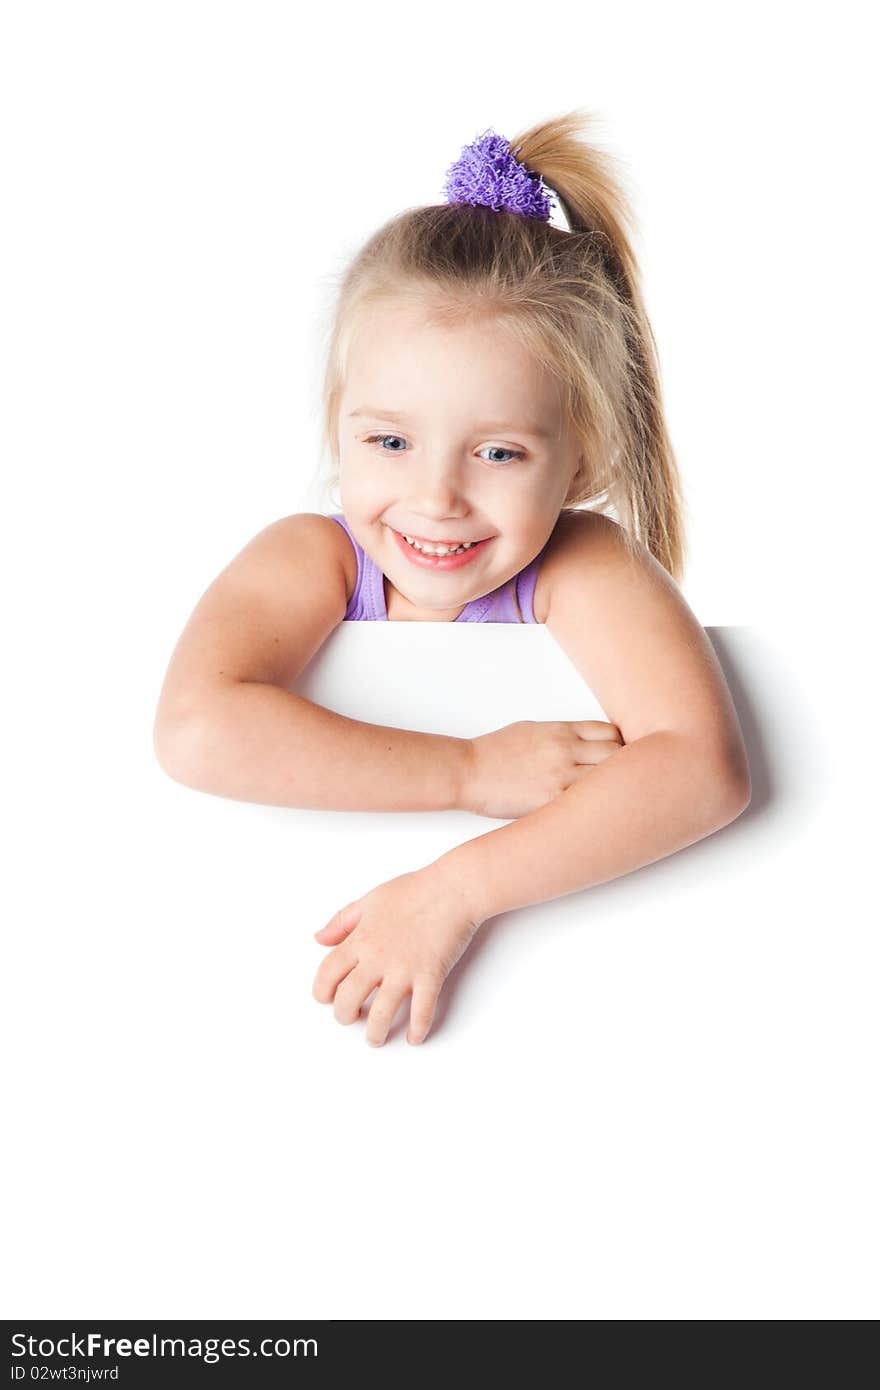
point(534, 431)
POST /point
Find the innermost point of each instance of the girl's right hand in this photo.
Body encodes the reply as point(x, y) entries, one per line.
point(519, 768)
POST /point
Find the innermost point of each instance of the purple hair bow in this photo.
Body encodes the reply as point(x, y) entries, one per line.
point(487, 173)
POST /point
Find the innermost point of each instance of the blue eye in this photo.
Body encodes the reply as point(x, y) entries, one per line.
point(382, 439)
point(499, 449)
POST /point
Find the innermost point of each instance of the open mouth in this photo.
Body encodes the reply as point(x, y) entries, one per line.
point(447, 558)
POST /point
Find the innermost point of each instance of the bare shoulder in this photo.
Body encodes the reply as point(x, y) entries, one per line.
point(267, 612)
point(315, 532)
point(305, 551)
point(624, 623)
point(567, 536)
point(345, 550)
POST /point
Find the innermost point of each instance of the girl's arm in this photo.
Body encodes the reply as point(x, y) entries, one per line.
point(683, 772)
point(256, 742)
point(655, 796)
point(226, 722)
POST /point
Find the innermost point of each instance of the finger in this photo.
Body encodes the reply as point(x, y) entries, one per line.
point(384, 1009)
point(353, 991)
point(332, 970)
point(421, 1013)
point(596, 729)
point(595, 751)
point(340, 924)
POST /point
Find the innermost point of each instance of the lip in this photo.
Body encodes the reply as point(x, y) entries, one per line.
point(439, 562)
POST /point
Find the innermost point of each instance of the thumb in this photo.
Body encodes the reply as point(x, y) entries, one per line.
point(340, 924)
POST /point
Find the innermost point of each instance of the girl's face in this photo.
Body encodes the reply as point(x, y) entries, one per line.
point(449, 434)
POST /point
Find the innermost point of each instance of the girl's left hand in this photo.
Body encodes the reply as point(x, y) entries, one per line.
point(404, 936)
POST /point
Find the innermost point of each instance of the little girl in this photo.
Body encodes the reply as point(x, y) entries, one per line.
point(491, 392)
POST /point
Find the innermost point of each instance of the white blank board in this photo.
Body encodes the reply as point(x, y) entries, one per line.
point(628, 1103)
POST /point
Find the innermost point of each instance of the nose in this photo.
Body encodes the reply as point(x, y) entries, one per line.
point(437, 491)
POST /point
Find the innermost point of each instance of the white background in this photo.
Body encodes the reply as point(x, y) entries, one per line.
point(653, 1100)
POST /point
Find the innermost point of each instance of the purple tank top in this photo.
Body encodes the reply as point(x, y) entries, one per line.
point(367, 602)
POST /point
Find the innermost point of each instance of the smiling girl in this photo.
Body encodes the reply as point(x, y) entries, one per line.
point(491, 395)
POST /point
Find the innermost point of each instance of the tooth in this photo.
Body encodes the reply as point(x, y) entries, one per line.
point(438, 552)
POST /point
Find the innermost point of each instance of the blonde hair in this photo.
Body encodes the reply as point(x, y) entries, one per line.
point(571, 297)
